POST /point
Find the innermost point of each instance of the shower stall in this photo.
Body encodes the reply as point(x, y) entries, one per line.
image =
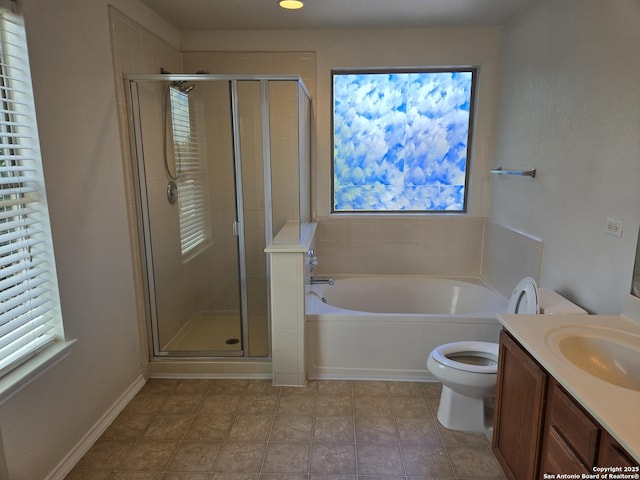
point(222, 162)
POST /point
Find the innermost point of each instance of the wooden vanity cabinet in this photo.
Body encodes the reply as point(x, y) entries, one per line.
point(611, 453)
point(539, 428)
point(570, 437)
point(519, 410)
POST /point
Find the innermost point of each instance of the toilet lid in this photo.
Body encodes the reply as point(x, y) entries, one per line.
point(524, 298)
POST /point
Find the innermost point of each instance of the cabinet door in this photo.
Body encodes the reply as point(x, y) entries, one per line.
point(570, 439)
point(611, 454)
point(520, 401)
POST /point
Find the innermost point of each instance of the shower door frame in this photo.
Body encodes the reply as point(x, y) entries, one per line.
point(144, 227)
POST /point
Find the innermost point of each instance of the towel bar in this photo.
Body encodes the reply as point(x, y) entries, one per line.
point(523, 173)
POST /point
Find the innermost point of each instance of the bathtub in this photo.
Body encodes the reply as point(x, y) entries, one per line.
point(383, 327)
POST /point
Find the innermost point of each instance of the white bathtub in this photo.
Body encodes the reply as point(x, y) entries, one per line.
point(383, 327)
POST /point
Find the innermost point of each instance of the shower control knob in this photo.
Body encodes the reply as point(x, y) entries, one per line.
point(172, 192)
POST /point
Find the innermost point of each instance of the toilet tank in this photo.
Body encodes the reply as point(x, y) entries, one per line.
point(552, 303)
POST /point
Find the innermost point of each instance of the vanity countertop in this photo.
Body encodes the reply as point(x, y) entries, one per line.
point(616, 408)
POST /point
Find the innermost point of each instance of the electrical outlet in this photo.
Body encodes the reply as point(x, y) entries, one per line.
point(614, 227)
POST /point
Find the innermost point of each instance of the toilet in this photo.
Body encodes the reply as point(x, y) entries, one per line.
point(468, 370)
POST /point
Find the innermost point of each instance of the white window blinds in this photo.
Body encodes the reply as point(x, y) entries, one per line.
point(188, 144)
point(30, 318)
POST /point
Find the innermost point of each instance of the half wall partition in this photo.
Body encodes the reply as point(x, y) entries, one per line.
point(222, 164)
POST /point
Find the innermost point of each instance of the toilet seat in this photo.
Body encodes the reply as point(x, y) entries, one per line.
point(440, 353)
point(524, 300)
point(525, 297)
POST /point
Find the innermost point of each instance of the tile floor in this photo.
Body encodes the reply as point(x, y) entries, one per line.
point(250, 430)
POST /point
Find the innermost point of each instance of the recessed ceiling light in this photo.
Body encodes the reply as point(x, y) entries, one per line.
point(291, 4)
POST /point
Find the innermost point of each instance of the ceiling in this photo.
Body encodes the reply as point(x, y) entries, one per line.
point(265, 14)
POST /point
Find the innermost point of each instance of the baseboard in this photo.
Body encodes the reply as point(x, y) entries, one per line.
point(73, 457)
point(331, 373)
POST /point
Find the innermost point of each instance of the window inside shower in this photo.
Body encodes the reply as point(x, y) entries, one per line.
point(189, 151)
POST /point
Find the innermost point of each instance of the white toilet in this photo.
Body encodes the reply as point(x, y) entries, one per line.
point(468, 370)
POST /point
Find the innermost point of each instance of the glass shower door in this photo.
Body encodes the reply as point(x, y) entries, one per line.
point(187, 184)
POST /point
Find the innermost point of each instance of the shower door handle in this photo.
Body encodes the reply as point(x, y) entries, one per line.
point(235, 228)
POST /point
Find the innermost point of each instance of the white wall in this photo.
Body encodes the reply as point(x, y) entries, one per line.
point(569, 100)
point(76, 107)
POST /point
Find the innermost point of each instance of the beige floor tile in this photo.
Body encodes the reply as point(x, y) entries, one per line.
point(168, 427)
point(220, 403)
point(187, 402)
point(229, 386)
point(378, 430)
point(372, 406)
point(292, 428)
point(146, 403)
point(426, 461)
point(406, 388)
point(296, 404)
point(82, 474)
point(333, 429)
point(185, 476)
point(137, 476)
point(210, 427)
point(415, 406)
point(148, 456)
point(128, 426)
point(194, 457)
point(240, 458)
point(338, 404)
point(283, 476)
point(379, 460)
point(251, 428)
point(432, 389)
point(335, 387)
point(257, 404)
point(473, 461)
point(235, 476)
point(418, 430)
point(365, 387)
point(286, 458)
point(105, 455)
point(332, 458)
point(456, 438)
point(262, 386)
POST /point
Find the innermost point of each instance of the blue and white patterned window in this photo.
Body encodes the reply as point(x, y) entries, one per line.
point(402, 140)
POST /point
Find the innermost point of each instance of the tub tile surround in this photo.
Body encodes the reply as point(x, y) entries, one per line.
point(439, 246)
point(443, 245)
point(509, 256)
point(203, 429)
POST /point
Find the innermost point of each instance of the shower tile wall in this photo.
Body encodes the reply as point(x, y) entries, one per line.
point(449, 246)
point(136, 50)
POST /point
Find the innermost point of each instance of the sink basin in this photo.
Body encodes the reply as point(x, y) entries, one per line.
point(608, 354)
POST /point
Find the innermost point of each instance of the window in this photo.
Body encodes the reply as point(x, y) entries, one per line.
point(188, 145)
point(30, 317)
point(401, 140)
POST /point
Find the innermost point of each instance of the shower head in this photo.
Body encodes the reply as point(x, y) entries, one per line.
point(183, 86)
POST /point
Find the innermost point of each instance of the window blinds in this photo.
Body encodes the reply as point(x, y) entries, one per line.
point(30, 317)
point(188, 149)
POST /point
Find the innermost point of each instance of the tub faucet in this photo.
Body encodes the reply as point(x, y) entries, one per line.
point(320, 281)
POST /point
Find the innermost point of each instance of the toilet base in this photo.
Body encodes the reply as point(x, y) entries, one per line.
point(467, 414)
